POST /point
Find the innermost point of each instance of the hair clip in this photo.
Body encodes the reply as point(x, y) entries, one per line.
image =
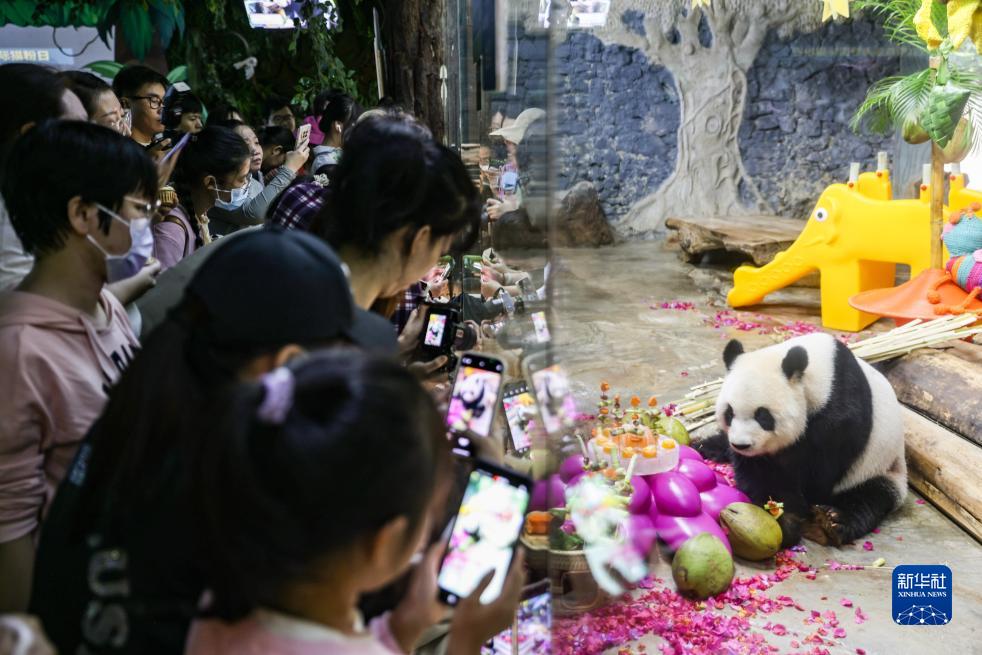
point(278, 399)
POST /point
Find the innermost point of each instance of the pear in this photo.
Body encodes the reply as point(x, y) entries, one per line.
point(754, 534)
point(673, 428)
point(702, 567)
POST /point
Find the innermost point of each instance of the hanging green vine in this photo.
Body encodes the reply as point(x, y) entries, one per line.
point(296, 63)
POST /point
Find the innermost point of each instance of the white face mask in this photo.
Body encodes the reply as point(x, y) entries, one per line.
point(121, 267)
point(237, 198)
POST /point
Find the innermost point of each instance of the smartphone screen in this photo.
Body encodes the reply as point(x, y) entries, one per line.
point(532, 632)
point(552, 393)
point(484, 533)
point(303, 136)
point(541, 327)
point(475, 394)
point(435, 328)
point(179, 146)
point(519, 408)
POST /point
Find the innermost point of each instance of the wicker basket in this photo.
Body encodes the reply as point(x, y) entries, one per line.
point(574, 591)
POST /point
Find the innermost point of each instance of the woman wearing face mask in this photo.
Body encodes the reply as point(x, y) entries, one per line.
point(213, 170)
point(225, 219)
point(64, 340)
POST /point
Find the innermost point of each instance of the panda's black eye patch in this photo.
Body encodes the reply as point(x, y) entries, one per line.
point(728, 415)
point(764, 418)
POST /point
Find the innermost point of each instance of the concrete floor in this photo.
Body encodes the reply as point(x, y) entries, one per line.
point(606, 330)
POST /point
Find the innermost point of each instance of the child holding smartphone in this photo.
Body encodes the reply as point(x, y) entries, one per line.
point(317, 490)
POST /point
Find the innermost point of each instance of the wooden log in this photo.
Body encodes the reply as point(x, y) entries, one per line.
point(943, 384)
point(944, 467)
point(757, 237)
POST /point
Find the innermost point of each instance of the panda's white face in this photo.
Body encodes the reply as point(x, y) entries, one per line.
point(762, 409)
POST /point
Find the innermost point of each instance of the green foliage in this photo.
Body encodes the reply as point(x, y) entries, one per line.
point(107, 69)
point(178, 74)
point(897, 17)
point(137, 20)
point(296, 63)
point(939, 18)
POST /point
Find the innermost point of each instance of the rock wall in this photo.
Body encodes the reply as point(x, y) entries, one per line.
point(618, 115)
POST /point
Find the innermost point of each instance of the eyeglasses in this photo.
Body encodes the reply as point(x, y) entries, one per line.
point(154, 101)
point(149, 207)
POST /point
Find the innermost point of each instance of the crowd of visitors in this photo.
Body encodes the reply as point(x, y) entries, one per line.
point(194, 467)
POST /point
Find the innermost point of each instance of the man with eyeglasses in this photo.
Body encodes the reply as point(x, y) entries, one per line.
point(64, 339)
point(279, 112)
point(142, 90)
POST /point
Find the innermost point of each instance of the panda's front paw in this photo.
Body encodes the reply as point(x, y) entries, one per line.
point(824, 527)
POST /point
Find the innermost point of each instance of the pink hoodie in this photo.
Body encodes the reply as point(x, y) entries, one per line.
point(57, 368)
point(272, 633)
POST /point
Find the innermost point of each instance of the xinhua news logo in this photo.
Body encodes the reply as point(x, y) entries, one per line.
point(922, 595)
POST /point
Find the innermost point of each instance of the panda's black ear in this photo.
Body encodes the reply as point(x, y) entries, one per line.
point(733, 350)
point(795, 362)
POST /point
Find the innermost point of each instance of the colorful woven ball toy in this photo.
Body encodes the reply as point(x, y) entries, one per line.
point(963, 237)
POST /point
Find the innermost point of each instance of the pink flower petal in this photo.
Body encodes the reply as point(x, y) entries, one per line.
point(860, 651)
point(845, 602)
point(867, 545)
point(920, 501)
point(860, 616)
point(840, 633)
point(876, 531)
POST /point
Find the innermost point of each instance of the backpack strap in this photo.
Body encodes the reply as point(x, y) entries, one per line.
point(170, 218)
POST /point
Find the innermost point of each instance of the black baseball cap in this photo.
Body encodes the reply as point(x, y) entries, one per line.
point(275, 286)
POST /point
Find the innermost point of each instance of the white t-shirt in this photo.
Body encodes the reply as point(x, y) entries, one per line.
point(15, 264)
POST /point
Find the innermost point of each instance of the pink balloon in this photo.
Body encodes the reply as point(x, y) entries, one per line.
point(701, 475)
point(641, 497)
point(714, 500)
point(547, 494)
point(641, 531)
point(687, 452)
point(676, 530)
point(675, 494)
point(572, 467)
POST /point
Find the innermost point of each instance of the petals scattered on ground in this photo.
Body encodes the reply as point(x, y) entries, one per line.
point(867, 545)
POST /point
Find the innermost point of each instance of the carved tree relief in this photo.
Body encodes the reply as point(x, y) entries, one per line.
point(710, 77)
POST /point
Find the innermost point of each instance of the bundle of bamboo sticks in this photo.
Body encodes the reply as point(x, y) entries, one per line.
point(698, 407)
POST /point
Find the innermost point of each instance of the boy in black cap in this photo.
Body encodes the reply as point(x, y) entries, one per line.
point(115, 566)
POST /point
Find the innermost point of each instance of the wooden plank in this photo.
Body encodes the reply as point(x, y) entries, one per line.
point(944, 467)
point(943, 384)
point(758, 237)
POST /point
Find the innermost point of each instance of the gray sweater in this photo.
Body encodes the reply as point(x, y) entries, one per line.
point(253, 212)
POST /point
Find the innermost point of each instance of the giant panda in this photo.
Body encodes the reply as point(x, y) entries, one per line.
point(807, 423)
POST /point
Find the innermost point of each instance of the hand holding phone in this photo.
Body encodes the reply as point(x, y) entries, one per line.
point(519, 406)
point(484, 535)
point(474, 398)
point(303, 136)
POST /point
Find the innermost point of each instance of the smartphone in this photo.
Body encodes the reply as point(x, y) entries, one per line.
point(474, 399)
point(552, 391)
point(519, 406)
point(484, 533)
point(531, 633)
point(438, 333)
point(541, 327)
point(303, 136)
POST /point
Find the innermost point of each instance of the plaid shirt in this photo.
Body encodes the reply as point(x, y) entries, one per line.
point(412, 298)
point(298, 205)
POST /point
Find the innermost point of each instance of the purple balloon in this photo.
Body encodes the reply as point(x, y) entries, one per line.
point(701, 475)
point(547, 494)
point(641, 531)
point(675, 494)
point(687, 452)
point(572, 467)
point(641, 497)
point(714, 500)
point(676, 530)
